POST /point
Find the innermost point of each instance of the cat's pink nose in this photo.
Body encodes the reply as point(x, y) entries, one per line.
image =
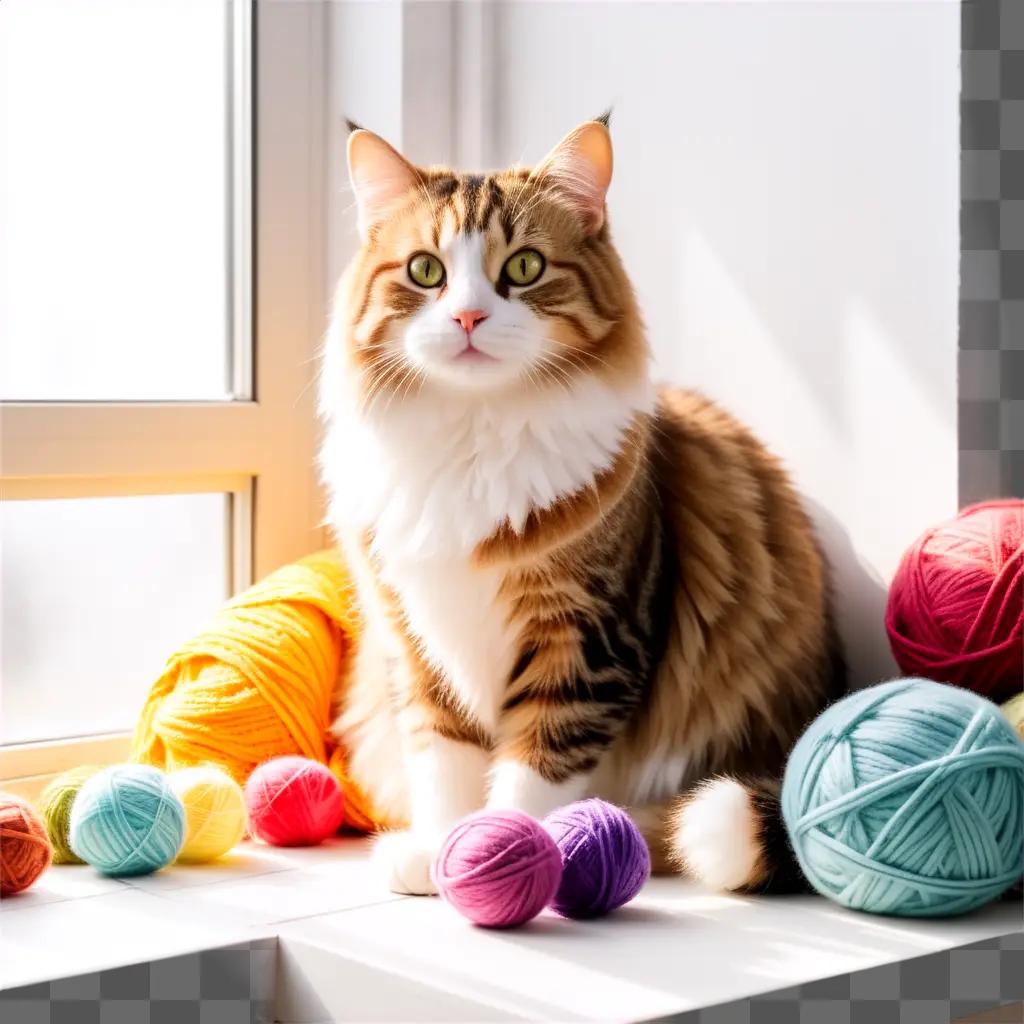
point(469, 318)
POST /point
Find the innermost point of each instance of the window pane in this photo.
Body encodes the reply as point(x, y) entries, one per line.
point(95, 593)
point(113, 199)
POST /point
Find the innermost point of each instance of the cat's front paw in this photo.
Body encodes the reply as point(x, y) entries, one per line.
point(404, 860)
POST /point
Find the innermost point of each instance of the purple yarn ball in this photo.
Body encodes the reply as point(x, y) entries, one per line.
point(498, 868)
point(605, 860)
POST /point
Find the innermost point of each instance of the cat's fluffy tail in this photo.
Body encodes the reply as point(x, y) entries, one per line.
point(728, 833)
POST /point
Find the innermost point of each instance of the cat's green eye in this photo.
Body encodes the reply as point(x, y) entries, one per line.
point(524, 267)
point(425, 270)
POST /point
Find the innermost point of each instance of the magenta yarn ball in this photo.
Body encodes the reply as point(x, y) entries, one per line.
point(605, 860)
point(498, 868)
point(293, 801)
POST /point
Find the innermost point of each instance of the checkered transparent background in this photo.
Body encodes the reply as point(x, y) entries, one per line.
point(936, 989)
point(235, 985)
point(232, 985)
point(991, 395)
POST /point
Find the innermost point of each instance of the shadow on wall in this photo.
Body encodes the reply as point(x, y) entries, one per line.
point(859, 597)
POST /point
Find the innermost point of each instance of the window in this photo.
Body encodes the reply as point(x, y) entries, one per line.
point(156, 427)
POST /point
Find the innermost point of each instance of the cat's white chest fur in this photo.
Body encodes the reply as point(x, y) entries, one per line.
point(453, 609)
point(433, 475)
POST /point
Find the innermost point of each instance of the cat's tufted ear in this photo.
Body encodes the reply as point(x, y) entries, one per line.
point(580, 167)
point(379, 174)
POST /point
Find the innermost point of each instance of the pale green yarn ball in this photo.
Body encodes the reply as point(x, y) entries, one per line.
point(126, 820)
point(908, 798)
point(1014, 711)
point(55, 807)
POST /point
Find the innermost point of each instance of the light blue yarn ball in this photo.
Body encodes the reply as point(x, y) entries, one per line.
point(126, 820)
point(908, 798)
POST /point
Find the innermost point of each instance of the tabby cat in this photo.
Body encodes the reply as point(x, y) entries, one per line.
point(572, 583)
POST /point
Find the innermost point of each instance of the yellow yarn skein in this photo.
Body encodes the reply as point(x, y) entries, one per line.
point(215, 818)
point(258, 682)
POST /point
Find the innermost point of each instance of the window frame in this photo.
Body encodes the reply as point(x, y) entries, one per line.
point(258, 446)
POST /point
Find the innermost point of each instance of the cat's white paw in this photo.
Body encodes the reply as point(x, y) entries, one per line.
point(404, 860)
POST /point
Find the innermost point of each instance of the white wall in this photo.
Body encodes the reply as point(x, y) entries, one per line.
point(785, 198)
point(392, 68)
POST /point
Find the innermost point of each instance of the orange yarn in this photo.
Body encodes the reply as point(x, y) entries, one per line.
point(258, 682)
point(25, 851)
point(359, 813)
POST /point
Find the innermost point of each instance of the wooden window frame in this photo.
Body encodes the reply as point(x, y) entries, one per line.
point(259, 446)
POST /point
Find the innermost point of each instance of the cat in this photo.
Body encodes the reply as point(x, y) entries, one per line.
point(572, 582)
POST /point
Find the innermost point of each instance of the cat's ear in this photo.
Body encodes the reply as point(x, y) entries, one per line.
point(580, 168)
point(379, 175)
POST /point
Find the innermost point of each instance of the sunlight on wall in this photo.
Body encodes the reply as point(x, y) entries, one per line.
point(901, 451)
point(726, 348)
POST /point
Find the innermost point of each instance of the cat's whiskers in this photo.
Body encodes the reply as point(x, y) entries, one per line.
point(539, 375)
point(402, 385)
point(382, 371)
point(555, 373)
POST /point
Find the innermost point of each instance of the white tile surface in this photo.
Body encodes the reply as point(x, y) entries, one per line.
point(60, 939)
point(59, 883)
point(247, 860)
point(676, 947)
point(315, 985)
point(332, 877)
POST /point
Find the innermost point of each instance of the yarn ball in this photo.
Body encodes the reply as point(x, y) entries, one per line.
point(956, 605)
point(293, 801)
point(605, 860)
point(126, 820)
point(25, 851)
point(498, 868)
point(907, 798)
point(214, 812)
point(1014, 711)
point(55, 807)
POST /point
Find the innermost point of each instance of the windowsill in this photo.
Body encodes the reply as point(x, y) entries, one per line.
point(27, 768)
point(347, 947)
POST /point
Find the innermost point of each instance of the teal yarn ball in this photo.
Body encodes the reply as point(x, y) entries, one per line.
point(126, 820)
point(908, 798)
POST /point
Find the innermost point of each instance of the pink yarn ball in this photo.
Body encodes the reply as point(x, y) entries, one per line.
point(498, 868)
point(293, 801)
point(956, 604)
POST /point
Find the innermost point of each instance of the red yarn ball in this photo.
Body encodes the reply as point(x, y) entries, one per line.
point(293, 801)
point(498, 868)
point(956, 604)
point(25, 850)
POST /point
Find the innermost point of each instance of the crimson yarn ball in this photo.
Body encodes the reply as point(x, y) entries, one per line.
point(498, 868)
point(25, 850)
point(293, 801)
point(956, 605)
point(605, 860)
